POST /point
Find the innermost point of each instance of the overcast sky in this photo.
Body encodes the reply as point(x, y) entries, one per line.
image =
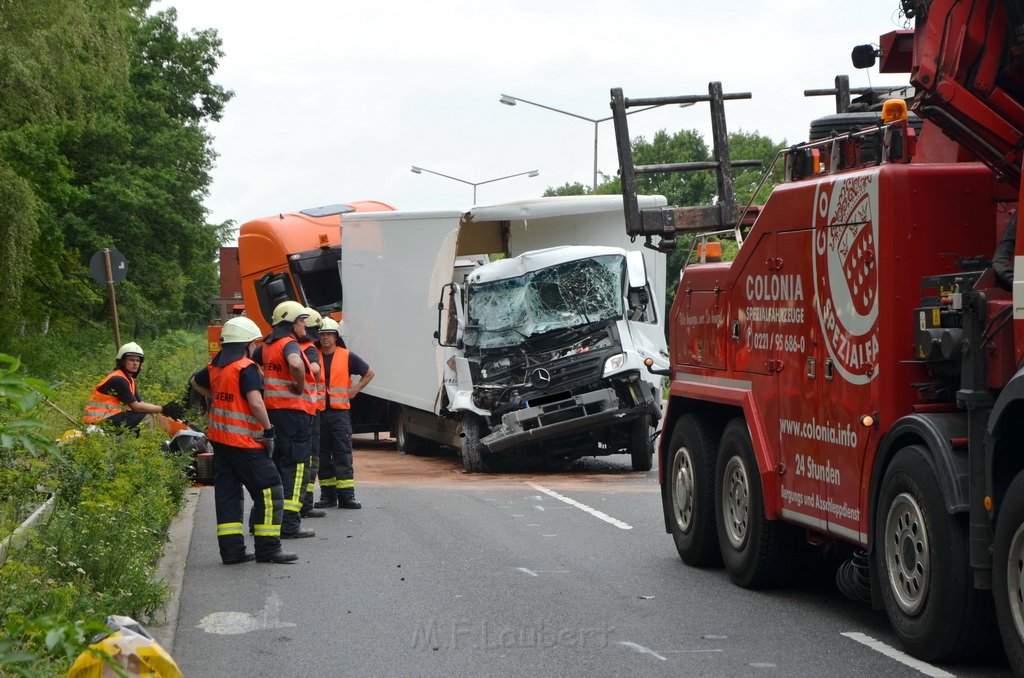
point(334, 101)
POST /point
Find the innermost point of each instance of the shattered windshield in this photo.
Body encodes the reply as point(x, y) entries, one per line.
point(506, 312)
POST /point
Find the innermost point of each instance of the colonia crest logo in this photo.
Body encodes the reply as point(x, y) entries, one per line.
point(846, 273)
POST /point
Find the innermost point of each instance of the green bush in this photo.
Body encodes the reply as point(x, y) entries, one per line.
point(116, 492)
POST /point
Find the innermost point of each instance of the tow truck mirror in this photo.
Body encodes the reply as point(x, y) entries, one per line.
point(636, 269)
point(864, 56)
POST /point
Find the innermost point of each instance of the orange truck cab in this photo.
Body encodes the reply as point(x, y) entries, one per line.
point(292, 255)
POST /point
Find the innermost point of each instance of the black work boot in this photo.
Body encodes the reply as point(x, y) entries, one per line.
point(313, 513)
point(328, 498)
point(348, 501)
point(279, 556)
point(298, 534)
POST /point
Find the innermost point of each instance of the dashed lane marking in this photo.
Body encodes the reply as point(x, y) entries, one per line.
point(601, 515)
point(892, 653)
point(636, 647)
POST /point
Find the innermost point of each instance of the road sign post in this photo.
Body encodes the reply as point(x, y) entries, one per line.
point(108, 266)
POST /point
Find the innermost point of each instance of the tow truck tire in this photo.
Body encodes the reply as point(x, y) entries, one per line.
point(472, 450)
point(1008, 573)
point(690, 491)
point(641, 447)
point(921, 556)
point(750, 543)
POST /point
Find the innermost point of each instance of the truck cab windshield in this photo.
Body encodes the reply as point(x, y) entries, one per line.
point(506, 313)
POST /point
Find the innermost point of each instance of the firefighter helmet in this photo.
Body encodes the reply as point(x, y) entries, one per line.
point(288, 311)
point(131, 348)
point(239, 330)
point(314, 318)
point(329, 325)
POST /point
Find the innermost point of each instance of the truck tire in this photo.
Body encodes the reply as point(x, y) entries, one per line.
point(750, 543)
point(921, 555)
point(1007, 573)
point(641, 447)
point(472, 451)
point(690, 491)
point(406, 442)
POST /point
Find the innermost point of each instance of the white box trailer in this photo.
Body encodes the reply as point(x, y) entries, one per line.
point(394, 267)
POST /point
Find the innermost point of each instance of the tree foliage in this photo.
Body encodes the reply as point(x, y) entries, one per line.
point(105, 146)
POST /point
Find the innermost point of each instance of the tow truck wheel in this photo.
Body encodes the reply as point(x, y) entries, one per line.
point(690, 491)
point(472, 450)
point(641, 447)
point(921, 553)
point(750, 543)
point(1008, 573)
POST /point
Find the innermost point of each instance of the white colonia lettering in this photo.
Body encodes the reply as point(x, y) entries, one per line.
point(774, 288)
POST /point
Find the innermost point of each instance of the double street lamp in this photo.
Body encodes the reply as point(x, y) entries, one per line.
point(474, 184)
point(510, 100)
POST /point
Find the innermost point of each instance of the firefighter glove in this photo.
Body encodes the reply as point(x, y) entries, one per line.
point(173, 410)
point(268, 440)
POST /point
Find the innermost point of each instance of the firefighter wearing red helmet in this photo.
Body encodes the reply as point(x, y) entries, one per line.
point(243, 442)
point(116, 401)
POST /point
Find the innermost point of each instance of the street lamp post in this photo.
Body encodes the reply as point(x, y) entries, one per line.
point(474, 184)
point(510, 100)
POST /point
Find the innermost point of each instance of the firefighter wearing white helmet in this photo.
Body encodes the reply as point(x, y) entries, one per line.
point(337, 475)
point(290, 397)
point(243, 440)
point(306, 341)
point(116, 401)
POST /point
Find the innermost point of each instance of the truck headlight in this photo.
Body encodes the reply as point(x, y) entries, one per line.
point(614, 363)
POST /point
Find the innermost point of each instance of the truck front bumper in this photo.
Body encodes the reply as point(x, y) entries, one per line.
point(578, 414)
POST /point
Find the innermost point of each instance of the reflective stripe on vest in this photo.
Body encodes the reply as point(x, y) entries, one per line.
point(231, 418)
point(103, 405)
point(340, 380)
point(277, 380)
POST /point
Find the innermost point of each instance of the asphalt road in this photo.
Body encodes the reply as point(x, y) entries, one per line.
point(554, 573)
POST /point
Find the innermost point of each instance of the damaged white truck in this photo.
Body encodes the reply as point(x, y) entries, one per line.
point(538, 353)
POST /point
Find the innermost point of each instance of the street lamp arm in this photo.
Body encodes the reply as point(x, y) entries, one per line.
point(532, 173)
point(510, 100)
point(417, 170)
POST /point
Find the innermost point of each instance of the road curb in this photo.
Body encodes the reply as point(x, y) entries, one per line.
point(171, 570)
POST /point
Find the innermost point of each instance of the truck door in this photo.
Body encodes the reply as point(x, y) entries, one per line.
point(845, 259)
point(793, 337)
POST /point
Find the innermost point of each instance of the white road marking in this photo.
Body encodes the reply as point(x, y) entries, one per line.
point(235, 623)
point(534, 573)
point(892, 653)
point(641, 649)
point(529, 572)
point(583, 507)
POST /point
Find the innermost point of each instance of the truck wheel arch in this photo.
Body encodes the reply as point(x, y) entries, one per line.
point(933, 432)
point(1003, 442)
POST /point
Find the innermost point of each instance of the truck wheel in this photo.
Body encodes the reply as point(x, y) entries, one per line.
point(921, 553)
point(406, 442)
point(750, 543)
point(690, 491)
point(1008, 573)
point(472, 450)
point(641, 447)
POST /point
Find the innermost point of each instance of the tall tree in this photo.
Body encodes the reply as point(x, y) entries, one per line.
point(110, 147)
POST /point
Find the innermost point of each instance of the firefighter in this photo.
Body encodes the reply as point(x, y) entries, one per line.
point(116, 400)
point(290, 396)
point(309, 347)
point(337, 477)
point(1002, 260)
point(243, 441)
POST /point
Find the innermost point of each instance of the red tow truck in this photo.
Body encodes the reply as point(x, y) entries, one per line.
point(852, 379)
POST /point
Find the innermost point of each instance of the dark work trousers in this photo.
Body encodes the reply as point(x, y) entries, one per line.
point(292, 446)
point(235, 468)
point(336, 452)
point(313, 465)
